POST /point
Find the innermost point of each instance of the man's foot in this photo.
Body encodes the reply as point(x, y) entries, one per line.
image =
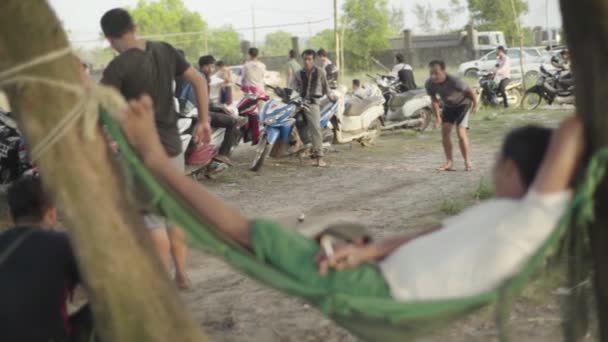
point(223, 159)
point(449, 166)
point(468, 167)
point(319, 162)
point(183, 282)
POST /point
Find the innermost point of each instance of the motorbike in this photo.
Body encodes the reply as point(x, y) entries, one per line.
point(361, 119)
point(486, 92)
point(280, 115)
point(14, 157)
point(200, 160)
point(410, 109)
point(247, 107)
point(548, 87)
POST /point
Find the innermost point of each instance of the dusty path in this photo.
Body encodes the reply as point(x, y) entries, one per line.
point(391, 188)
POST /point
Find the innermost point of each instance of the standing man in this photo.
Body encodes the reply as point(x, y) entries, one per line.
point(331, 70)
point(503, 73)
point(253, 73)
point(293, 68)
point(458, 101)
point(312, 85)
point(147, 67)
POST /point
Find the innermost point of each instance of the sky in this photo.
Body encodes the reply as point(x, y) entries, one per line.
point(81, 17)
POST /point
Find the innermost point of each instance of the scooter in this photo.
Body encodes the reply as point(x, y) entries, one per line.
point(404, 110)
point(361, 119)
point(200, 160)
point(548, 87)
point(248, 108)
point(486, 92)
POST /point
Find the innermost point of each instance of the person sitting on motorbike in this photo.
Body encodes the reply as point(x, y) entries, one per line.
point(221, 117)
point(312, 85)
point(331, 70)
point(562, 63)
point(404, 73)
point(502, 75)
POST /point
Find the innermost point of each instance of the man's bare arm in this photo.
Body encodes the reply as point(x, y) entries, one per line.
point(470, 94)
point(562, 158)
point(201, 92)
point(436, 108)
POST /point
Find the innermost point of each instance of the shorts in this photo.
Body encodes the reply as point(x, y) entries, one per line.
point(294, 254)
point(153, 221)
point(457, 115)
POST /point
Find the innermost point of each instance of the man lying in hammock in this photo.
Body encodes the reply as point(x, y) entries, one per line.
point(472, 252)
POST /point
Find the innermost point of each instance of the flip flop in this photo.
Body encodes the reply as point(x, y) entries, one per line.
point(469, 168)
point(444, 169)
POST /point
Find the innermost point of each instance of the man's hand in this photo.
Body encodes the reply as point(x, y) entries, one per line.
point(438, 122)
point(474, 108)
point(202, 133)
point(346, 256)
point(139, 127)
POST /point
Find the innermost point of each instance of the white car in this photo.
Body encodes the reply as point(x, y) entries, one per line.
point(533, 59)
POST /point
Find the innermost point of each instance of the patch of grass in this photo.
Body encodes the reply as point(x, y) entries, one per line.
point(484, 190)
point(451, 207)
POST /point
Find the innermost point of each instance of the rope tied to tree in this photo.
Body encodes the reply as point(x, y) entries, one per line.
point(86, 109)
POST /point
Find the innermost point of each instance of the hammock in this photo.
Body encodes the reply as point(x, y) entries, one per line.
point(370, 318)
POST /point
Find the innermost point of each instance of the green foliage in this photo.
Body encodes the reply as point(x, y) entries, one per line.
point(277, 43)
point(492, 15)
point(424, 15)
point(397, 20)
point(484, 190)
point(451, 207)
point(171, 16)
point(443, 16)
point(367, 29)
point(324, 39)
point(225, 45)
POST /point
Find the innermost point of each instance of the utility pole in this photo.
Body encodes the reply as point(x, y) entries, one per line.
point(309, 30)
point(336, 35)
point(521, 44)
point(253, 22)
point(549, 33)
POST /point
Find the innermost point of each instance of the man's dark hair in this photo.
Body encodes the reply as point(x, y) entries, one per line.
point(309, 52)
point(292, 53)
point(527, 147)
point(116, 22)
point(181, 52)
point(356, 82)
point(27, 199)
point(220, 64)
point(254, 52)
point(399, 58)
point(501, 48)
point(437, 62)
point(206, 60)
point(322, 53)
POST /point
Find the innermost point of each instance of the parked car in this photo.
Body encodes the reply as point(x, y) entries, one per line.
point(533, 59)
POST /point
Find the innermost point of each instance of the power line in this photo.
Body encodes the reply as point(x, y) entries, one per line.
point(179, 34)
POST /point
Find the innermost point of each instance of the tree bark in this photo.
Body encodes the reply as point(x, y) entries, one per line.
point(132, 297)
point(586, 27)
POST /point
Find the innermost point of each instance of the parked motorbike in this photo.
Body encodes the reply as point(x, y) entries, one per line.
point(404, 110)
point(200, 159)
point(14, 157)
point(248, 108)
point(487, 91)
point(548, 87)
point(361, 119)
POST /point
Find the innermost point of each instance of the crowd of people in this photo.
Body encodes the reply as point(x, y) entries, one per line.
point(532, 177)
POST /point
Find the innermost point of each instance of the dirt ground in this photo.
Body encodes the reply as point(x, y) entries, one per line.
point(391, 187)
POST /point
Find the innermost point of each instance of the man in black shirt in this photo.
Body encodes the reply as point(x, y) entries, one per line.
point(37, 269)
point(147, 67)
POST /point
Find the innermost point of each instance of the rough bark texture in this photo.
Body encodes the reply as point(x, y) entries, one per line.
point(132, 298)
point(586, 26)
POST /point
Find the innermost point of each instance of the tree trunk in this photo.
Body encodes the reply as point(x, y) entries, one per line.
point(586, 27)
point(132, 298)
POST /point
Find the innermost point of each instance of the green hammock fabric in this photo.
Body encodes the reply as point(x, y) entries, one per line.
point(371, 319)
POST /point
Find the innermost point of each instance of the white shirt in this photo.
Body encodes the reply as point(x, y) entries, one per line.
point(474, 251)
point(253, 74)
point(503, 69)
point(399, 67)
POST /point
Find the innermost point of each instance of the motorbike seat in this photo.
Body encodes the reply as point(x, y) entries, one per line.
point(357, 106)
point(398, 100)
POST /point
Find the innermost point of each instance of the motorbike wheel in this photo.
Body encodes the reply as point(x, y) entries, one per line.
point(371, 139)
point(516, 94)
point(261, 152)
point(427, 115)
point(531, 100)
